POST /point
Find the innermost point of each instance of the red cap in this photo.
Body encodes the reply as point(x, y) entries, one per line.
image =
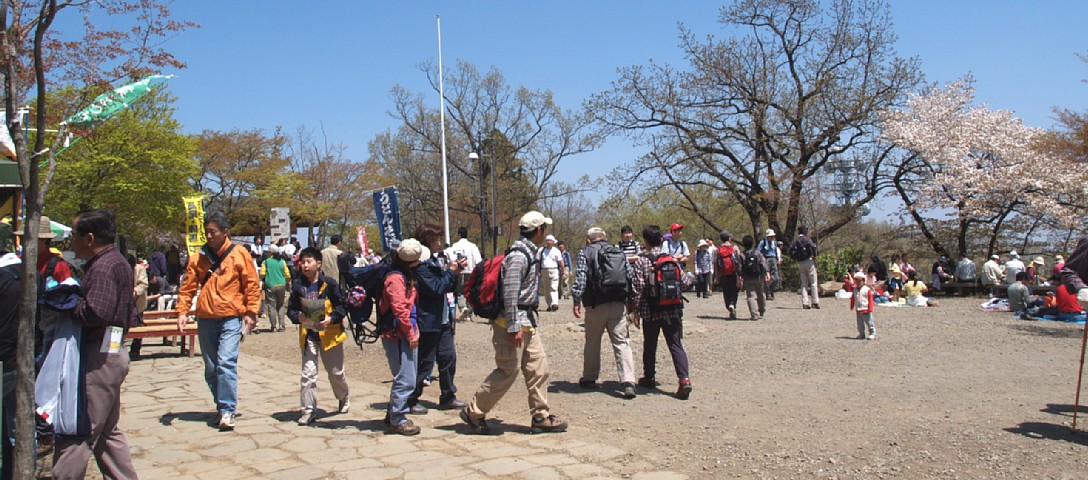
point(675, 227)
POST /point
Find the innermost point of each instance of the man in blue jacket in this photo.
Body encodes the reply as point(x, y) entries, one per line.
point(436, 278)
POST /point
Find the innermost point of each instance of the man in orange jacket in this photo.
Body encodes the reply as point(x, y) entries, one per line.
point(229, 293)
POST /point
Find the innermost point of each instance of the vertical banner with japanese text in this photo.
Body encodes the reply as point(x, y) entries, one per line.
point(194, 223)
point(360, 236)
point(388, 212)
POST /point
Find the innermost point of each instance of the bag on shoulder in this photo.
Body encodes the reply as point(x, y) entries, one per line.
point(483, 287)
point(364, 286)
point(800, 251)
point(753, 265)
point(726, 263)
point(607, 276)
point(666, 286)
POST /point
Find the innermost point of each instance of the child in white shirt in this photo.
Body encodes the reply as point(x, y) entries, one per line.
point(863, 305)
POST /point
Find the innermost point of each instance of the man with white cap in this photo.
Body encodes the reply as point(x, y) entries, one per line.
point(551, 270)
point(1013, 266)
point(769, 248)
point(991, 273)
point(516, 338)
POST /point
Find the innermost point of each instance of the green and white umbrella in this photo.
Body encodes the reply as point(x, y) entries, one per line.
point(60, 230)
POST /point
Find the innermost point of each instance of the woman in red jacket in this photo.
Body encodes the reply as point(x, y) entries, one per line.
point(397, 307)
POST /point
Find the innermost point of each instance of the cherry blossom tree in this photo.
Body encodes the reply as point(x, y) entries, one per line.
point(974, 169)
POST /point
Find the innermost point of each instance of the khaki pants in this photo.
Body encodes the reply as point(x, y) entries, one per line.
point(809, 283)
point(757, 300)
point(105, 374)
point(549, 285)
point(608, 317)
point(533, 362)
point(333, 359)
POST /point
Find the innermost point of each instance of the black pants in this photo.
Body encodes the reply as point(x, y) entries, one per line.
point(674, 332)
point(730, 290)
point(437, 346)
point(702, 283)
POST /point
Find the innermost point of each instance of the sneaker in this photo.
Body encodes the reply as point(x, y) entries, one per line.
point(732, 313)
point(860, 336)
point(816, 306)
point(344, 406)
point(407, 428)
point(806, 307)
point(549, 424)
point(426, 382)
point(629, 391)
point(587, 384)
point(479, 427)
point(417, 409)
point(647, 382)
point(307, 417)
point(872, 336)
point(226, 421)
point(685, 389)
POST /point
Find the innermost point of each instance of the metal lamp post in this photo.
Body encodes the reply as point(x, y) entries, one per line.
point(480, 197)
point(494, 230)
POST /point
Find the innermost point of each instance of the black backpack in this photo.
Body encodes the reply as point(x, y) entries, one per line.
point(364, 287)
point(753, 265)
point(606, 274)
point(800, 251)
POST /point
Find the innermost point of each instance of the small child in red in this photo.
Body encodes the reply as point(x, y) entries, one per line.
point(863, 306)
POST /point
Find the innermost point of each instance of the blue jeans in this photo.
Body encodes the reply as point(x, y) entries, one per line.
point(402, 364)
point(219, 339)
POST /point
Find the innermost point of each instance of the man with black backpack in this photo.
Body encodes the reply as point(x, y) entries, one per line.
point(754, 276)
point(657, 283)
point(515, 336)
point(602, 282)
point(804, 251)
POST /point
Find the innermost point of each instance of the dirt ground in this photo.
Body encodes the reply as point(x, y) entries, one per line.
point(948, 392)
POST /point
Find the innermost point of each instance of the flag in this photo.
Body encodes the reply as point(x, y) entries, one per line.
point(105, 106)
point(194, 223)
point(360, 236)
point(7, 147)
point(388, 212)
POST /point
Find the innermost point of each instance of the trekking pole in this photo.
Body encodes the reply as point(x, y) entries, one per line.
point(1080, 375)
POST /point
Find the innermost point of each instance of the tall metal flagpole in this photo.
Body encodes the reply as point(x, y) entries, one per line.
point(442, 125)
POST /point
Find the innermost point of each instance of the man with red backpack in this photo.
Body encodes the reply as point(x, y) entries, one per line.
point(656, 302)
point(728, 272)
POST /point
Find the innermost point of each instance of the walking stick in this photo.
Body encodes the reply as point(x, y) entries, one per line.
point(1080, 375)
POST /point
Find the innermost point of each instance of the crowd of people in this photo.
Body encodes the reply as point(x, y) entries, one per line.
point(612, 286)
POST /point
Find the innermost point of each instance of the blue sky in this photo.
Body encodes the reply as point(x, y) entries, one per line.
point(258, 64)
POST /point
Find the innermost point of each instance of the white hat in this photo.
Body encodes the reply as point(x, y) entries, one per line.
point(411, 250)
point(595, 231)
point(770, 233)
point(995, 257)
point(534, 219)
point(1013, 254)
point(273, 249)
point(702, 243)
point(859, 275)
point(549, 238)
point(1039, 261)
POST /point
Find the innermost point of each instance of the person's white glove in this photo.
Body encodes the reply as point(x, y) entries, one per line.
point(1082, 298)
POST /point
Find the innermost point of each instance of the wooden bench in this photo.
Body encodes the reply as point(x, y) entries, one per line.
point(164, 324)
point(961, 287)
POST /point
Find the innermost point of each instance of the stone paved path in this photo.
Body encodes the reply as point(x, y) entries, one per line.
point(167, 410)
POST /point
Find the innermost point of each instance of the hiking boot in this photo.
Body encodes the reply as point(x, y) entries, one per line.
point(816, 306)
point(685, 389)
point(453, 404)
point(806, 307)
point(407, 428)
point(549, 424)
point(629, 391)
point(647, 382)
point(479, 427)
point(587, 384)
point(344, 406)
point(226, 422)
point(417, 409)
point(307, 418)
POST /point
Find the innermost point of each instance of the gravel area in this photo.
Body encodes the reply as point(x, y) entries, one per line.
point(947, 392)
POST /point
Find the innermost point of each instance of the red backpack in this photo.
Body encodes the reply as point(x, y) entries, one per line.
point(726, 263)
point(483, 287)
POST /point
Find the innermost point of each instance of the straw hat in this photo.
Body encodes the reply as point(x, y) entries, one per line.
point(44, 230)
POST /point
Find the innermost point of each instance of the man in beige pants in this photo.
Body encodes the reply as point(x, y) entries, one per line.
point(602, 281)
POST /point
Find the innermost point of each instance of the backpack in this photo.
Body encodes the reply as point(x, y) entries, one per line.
point(364, 287)
point(800, 251)
point(726, 263)
point(753, 265)
point(606, 279)
point(665, 288)
point(483, 287)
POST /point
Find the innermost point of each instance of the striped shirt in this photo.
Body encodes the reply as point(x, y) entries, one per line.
point(520, 285)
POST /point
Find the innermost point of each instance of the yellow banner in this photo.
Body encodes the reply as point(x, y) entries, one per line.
point(194, 223)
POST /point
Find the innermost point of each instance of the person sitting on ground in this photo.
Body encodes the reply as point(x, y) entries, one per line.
point(1019, 295)
point(1069, 309)
point(913, 290)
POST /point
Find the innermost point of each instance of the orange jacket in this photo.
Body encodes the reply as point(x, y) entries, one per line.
point(234, 290)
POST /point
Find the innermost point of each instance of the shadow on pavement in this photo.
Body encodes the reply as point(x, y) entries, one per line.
point(1047, 329)
point(1050, 431)
point(1064, 410)
point(206, 417)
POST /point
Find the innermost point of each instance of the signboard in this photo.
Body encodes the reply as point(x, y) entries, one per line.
point(388, 212)
point(194, 223)
point(281, 224)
